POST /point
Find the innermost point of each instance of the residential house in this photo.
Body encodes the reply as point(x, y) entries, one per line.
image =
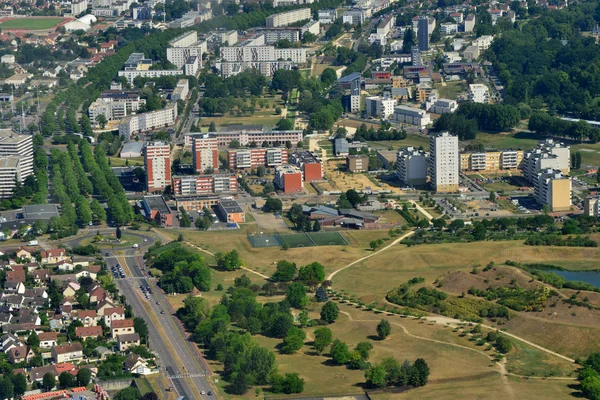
point(120, 327)
point(71, 289)
point(9, 341)
point(16, 275)
point(48, 339)
point(65, 266)
point(84, 332)
point(25, 253)
point(113, 314)
point(128, 340)
point(67, 352)
point(14, 288)
point(41, 276)
point(66, 367)
point(37, 374)
point(20, 354)
point(87, 317)
point(97, 293)
point(103, 306)
point(54, 256)
point(135, 364)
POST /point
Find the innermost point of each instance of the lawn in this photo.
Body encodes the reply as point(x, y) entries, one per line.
point(31, 23)
point(526, 360)
point(451, 90)
point(126, 241)
point(122, 162)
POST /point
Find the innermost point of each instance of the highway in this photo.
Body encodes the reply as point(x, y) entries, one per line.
point(179, 359)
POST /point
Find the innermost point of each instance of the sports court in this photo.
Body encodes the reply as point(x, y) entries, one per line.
point(307, 239)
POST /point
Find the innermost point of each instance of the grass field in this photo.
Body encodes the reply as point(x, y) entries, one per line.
point(31, 24)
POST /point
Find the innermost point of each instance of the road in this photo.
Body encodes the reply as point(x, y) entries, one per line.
point(179, 359)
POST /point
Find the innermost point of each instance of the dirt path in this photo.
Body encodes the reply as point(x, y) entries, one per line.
point(422, 210)
point(396, 241)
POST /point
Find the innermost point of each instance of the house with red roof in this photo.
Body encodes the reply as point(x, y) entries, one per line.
point(121, 327)
point(53, 256)
point(84, 332)
point(48, 339)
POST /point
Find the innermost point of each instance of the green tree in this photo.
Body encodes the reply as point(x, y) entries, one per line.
point(66, 380)
point(375, 376)
point(330, 312)
point(7, 389)
point(384, 329)
point(294, 340)
point(323, 338)
point(296, 295)
point(339, 352)
point(140, 327)
point(33, 340)
point(312, 273)
point(101, 120)
point(19, 384)
point(363, 349)
point(293, 383)
point(48, 381)
point(129, 393)
point(229, 261)
point(84, 376)
point(284, 272)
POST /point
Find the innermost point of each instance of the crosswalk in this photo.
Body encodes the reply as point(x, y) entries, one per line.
point(183, 376)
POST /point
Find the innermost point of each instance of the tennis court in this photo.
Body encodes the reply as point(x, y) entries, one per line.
point(264, 241)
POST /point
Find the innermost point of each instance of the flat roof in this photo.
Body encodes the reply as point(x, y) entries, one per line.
point(40, 211)
point(133, 146)
point(230, 206)
point(157, 202)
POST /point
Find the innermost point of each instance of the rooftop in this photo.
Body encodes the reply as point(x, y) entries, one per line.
point(157, 202)
point(41, 211)
point(231, 206)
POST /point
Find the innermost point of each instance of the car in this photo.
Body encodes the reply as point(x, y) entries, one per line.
point(158, 303)
point(209, 393)
point(203, 393)
point(107, 254)
point(162, 312)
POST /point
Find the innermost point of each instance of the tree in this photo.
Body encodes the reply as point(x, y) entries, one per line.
point(456, 225)
point(229, 261)
point(101, 120)
point(328, 76)
point(292, 383)
point(330, 312)
point(273, 205)
point(66, 380)
point(363, 349)
point(19, 384)
point(316, 226)
point(212, 127)
point(129, 393)
point(48, 381)
point(33, 340)
point(383, 329)
point(323, 337)
point(118, 233)
point(294, 340)
point(296, 295)
point(375, 376)
point(284, 272)
point(7, 389)
point(285, 124)
point(339, 352)
point(419, 373)
point(84, 375)
point(312, 273)
point(321, 294)
point(184, 221)
point(140, 327)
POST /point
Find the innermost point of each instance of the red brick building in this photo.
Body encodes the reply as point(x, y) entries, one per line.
point(311, 166)
point(157, 159)
point(289, 179)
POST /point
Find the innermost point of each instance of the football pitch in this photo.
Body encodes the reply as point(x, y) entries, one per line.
point(31, 24)
point(307, 239)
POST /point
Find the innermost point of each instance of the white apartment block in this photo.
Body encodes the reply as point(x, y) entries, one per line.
point(380, 107)
point(547, 155)
point(444, 162)
point(385, 26)
point(192, 66)
point(412, 116)
point(311, 26)
point(266, 68)
point(20, 146)
point(179, 55)
point(272, 36)
point(470, 23)
point(411, 166)
point(184, 40)
point(262, 53)
point(256, 157)
point(246, 137)
point(287, 18)
point(354, 16)
point(448, 28)
point(130, 75)
point(444, 106)
point(10, 171)
point(484, 42)
point(479, 93)
point(471, 53)
point(591, 206)
point(112, 110)
point(78, 6)
point(148, 121)
point(327, 16)
point(181, 91)
point(231, 37)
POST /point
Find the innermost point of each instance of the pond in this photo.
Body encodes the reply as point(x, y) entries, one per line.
point(591, 277)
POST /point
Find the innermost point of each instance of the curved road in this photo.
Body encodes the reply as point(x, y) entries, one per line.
point(179, 359)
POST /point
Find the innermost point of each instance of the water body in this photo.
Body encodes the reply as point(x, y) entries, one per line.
point(591, 277)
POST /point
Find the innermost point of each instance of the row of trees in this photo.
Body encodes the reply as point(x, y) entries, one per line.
point(546, 125)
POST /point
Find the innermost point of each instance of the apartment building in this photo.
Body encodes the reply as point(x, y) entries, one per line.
point(469, 23)
point(354, 16)
point(130, 75)
point(448, 28)
point(157, 160)
point(553, 189)
point(444, 106)
point(205, 154)
point(379, 107)
point(272, 36)
point(185, 46)
point(288, 178)
point(357, 163)
point(191, 66)
point(327, 16)
point(591, 206)
point(444, 162)
point(411, 166)
point(16, 160)
point(115, 105)
point(246, 137)
point(386, 26)
point(256, 157)
point(145, 122)
point(311, 26)
point(491, 161)
point(412, 116)
point(423, 33)
point(181, 91)
point(229, 37)
point(190, 185)
point(547, 154)
point(288, 18)
point(266, 68)
point(309, 164)
point(479, 93)
point(262, 53)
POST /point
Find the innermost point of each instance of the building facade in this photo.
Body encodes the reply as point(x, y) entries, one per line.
point(412, 116)
point(376, 106)
point(592, 206)
point(190, 185)
point(491, 161)
point(357, 163)
point(288, 18)
point(257, 157)
point(247, 137)
point(157, 160)
point(205, 154)
point(149, 121)
point(547, 154)
point(553, 189)
point(411, 166)
point(288, 178)
point(444, 162)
